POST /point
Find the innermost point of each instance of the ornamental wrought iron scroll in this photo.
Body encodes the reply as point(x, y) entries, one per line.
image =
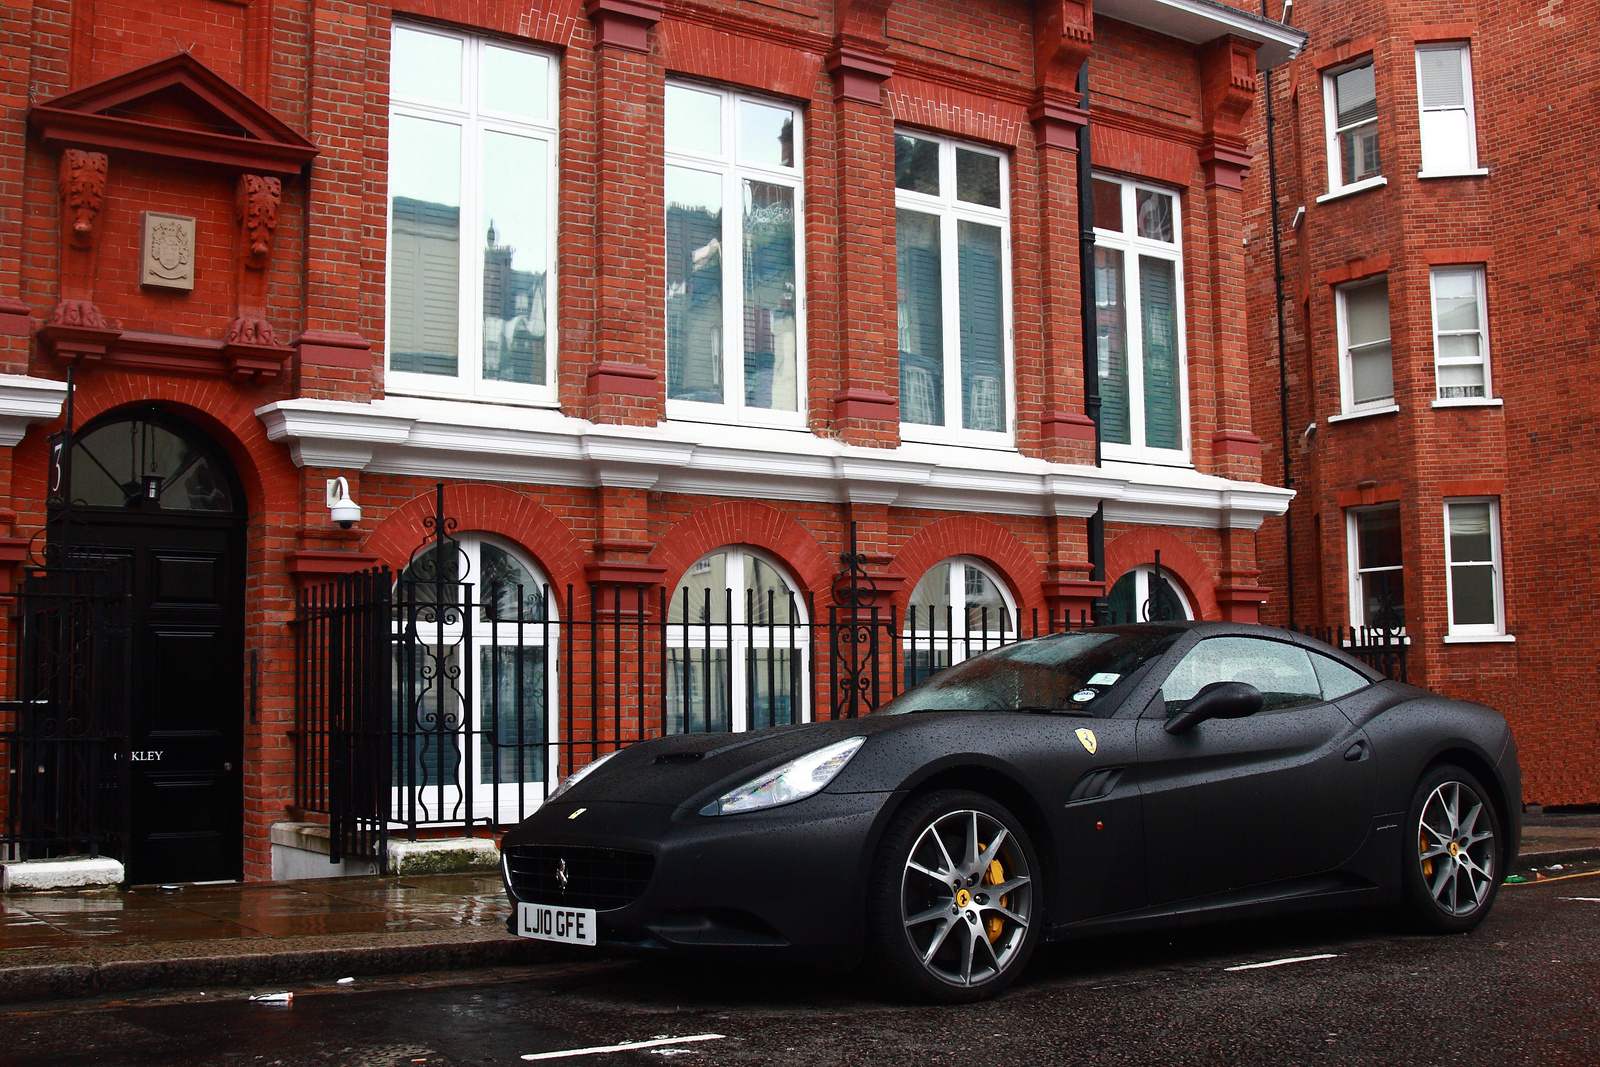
point(433, 679)
point(855, 627)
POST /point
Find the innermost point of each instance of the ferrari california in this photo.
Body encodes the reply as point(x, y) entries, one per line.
point(1091, 782)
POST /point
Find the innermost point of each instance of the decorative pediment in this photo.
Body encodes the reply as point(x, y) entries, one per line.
point(177, 109)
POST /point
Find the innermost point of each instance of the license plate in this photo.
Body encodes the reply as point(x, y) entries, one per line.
point(545, 922)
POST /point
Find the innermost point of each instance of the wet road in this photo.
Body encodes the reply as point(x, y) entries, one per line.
point(1523, 989)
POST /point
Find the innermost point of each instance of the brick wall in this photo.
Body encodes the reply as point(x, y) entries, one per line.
point(321, 66)
point(1531, 224)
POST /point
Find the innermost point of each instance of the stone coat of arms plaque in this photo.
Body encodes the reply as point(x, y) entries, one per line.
point(167, 251)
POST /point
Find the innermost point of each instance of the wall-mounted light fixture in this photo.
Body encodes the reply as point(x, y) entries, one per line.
point(345, 511)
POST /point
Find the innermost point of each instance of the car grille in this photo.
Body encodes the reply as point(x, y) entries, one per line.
point(600, 878)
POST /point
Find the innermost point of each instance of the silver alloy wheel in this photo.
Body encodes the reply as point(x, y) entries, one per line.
point(965, 917)
point(1457, 857)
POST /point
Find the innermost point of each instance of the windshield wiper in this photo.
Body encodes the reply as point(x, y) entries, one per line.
point(1081, 713)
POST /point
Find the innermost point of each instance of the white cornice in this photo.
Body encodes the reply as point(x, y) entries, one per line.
point(26, 400)
point(1202, 21)
point(485, 442)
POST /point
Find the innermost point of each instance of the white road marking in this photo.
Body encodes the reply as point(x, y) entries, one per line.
point(1280, 963)
point(626, 1046)
point(1591, 900)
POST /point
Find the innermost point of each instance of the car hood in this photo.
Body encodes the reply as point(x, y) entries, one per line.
point(694, 768)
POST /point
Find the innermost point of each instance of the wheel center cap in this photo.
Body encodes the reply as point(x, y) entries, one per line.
point(963, 898)
point(1455, 849)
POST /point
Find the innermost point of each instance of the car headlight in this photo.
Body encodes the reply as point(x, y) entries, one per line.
point(579, 775)
point(795, 780)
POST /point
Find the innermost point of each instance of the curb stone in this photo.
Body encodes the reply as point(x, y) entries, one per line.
point(79, 979)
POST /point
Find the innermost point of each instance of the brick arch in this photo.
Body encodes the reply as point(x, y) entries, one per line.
point(219, 409)
point(1181, 562)
point(746, 522)
point(968, 535)
point(492, 509)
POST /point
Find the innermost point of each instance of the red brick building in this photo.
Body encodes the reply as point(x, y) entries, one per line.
point(1439, 348)
point(245, 226)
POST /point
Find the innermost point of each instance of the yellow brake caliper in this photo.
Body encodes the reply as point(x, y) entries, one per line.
point(994, 875)
point(1422, 846)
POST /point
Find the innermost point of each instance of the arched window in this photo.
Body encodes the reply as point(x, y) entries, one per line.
point(148, 461)
point(1131, 599)
point(959, 609)
point(475, 629)
point(737, 645)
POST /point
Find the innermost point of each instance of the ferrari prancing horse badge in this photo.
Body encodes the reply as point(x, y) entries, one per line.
point(1087, 737)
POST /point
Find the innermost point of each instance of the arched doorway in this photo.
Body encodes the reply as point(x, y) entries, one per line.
point(155, 498)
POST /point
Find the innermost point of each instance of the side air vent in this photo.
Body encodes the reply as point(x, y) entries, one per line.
point(1096, 784)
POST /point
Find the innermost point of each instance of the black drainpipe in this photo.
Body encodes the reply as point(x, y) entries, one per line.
point(1283, 364)
point(1091, 346)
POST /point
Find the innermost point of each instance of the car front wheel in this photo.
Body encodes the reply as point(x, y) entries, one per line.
point(955, 898)
point(1451, 867)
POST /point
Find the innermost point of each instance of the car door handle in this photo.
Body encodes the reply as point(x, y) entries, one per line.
point(1356, 752)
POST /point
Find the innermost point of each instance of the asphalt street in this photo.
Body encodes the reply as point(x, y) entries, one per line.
point(1523, 989)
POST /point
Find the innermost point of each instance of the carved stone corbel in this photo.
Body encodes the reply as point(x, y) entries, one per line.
point(859, 61)
point(76, 331)
point(1227, 92)
point(82, 188)
point(251, 347)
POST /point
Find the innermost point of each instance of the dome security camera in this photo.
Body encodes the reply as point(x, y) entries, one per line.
point(344, 510)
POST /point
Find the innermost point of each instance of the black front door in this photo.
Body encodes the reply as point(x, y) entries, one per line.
point(175, 529)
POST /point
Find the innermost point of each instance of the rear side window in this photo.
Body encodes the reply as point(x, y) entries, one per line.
point(1337, 679)
point(1282, 672)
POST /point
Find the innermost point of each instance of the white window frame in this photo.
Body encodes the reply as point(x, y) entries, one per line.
point(515, 800)
point(1133, 246)
point(1498, 628)
point(951, 212)
point(1348, 405)
point(474, 121)
point(1353, 560)
point(959, 640)
point(774, 636)
point(1472, 168)
point(1480, 282)
point(732, 170)
point(1330, 108)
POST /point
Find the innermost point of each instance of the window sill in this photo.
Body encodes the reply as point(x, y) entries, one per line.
point(469, 398)
point(1479, 639)
point(1364, 413)
point(1470, 402)
point(1353, 189)
point(1475, 172)
point(718, 415)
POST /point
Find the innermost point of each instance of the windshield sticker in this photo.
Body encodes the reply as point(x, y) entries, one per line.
point(1103, 678)
point(1083, 696)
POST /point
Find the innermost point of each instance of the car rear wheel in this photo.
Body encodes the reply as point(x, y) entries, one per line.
point(955, 898)
point(1452, 863)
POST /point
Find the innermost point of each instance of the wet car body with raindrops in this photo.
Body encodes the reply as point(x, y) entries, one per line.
point(1100, 781)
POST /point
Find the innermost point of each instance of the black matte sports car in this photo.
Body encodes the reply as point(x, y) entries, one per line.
point(1101, 780)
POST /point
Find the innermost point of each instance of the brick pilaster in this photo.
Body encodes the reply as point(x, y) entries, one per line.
point(866, 398)
point(626, 379)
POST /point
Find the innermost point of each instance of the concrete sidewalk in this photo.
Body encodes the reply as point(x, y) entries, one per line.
point(88, 942)
point(106, 940)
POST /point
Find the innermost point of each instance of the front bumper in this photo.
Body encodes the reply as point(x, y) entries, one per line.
point(792, 877)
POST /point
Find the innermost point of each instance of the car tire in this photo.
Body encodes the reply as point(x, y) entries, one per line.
point(951, 921)
point(1451, 865)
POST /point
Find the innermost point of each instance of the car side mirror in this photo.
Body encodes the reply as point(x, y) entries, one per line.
point(1219, 700)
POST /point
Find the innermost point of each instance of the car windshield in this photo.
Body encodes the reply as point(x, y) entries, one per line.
point(1071, 672)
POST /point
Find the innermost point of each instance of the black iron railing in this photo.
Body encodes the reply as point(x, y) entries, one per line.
point(1379, 647)
point(342, 709)
point(64, 738)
